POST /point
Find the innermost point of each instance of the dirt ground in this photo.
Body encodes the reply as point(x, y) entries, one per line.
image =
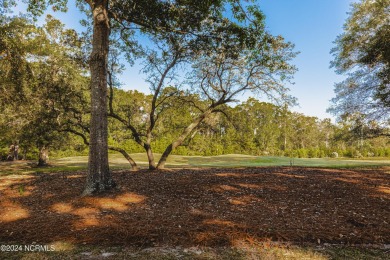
point(200, 207)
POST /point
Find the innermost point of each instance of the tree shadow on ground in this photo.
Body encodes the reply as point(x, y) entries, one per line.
point(205, 207)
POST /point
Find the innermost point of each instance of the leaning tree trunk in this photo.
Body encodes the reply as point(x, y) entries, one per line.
point(181, 138)
point(99, 177)
point(134, 166)
point(43, 156)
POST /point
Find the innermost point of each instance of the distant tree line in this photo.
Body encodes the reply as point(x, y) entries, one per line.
point(251, 127)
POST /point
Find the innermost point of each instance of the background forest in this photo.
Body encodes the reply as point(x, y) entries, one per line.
point(45, 103)
point(251, 127)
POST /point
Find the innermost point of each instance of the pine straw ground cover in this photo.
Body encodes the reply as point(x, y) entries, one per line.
point(191, 209)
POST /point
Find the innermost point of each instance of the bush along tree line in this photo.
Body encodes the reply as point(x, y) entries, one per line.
point(59, 87)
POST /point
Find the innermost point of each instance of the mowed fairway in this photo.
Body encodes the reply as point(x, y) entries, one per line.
point(231, 160)
point(117, 161)
point(195, 210)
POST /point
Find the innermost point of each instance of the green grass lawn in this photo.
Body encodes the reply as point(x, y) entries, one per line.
point(231, 160)
point(117, 161)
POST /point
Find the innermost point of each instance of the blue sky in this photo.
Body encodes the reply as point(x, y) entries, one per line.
point(312, 25)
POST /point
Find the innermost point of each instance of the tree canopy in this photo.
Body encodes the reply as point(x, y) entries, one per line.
point(43, 81)
point(362, 53)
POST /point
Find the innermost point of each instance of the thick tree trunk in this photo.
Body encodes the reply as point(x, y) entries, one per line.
point(43, 156)
point(167, 152)
point(149, 153)
point(24, 154)
point(99, 177)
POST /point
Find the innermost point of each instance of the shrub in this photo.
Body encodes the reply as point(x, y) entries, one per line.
point(313, 153)
point(302, 153)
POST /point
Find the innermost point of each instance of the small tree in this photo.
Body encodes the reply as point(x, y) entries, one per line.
point(256, 62)
point(229, 57)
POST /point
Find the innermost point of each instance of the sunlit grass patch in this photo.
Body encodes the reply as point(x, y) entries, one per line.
point(275, 251)
point(118, 162)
